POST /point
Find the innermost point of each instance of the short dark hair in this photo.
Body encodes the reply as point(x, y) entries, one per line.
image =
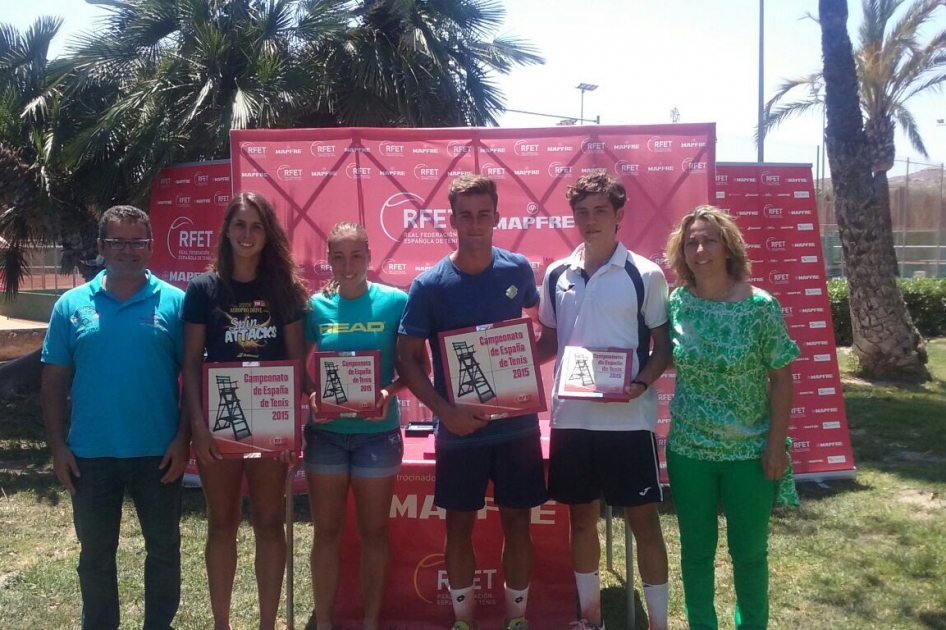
point(597, 184)
point(472, 185)
point(129, 214)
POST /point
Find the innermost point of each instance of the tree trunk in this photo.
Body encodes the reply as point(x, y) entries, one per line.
point(886, 342)
point(21, 376)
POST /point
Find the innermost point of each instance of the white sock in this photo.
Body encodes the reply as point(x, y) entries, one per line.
point(589, 596)
point(464, 603)
point(516, 602)
point(656, 597)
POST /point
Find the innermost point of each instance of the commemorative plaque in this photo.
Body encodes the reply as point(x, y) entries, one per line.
point(347, 383)
point(599, 374)
point(252, 408)
point(492, 370)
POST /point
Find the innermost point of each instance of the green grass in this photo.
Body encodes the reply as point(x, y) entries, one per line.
point(858, 554)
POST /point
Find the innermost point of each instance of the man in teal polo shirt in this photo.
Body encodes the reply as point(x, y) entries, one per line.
point(119, 340)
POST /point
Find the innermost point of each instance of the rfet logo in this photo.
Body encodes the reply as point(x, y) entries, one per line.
point(493, 171)
point(389, 149)
point(660, 260)
point(253, 150)
point(769, 178)
point(201, 179)
point(659, 145)
point(182, 236)
point(590, 145)
point(722, 180)
point(525, 148)
point(320, 149)
point(774, 244)
point(322, 268)
point(221, 198)
point(391, 267)
point(773, 212)
point(288, 173)
point(402, 212)
point(459, 148)
point(164, 182)
point(183, 201)
point(623, 168)
point(358, 172)
point(778, 277)
point(422, 171)
point(557, 169)
point(690, 164)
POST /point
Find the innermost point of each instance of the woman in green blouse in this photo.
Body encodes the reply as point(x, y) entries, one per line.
point(730, 413)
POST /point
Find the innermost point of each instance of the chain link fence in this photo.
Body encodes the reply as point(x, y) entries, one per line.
point(918, 214)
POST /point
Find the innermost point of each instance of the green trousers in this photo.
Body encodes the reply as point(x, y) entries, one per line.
point(746, 495)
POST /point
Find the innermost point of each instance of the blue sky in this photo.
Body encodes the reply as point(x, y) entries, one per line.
point(647, 57)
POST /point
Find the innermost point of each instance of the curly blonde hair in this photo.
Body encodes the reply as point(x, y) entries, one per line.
point(737, 260)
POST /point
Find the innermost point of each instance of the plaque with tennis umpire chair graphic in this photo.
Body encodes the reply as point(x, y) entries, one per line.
point(252, 408)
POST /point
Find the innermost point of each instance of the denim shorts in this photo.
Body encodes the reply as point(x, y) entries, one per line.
point(357, 454)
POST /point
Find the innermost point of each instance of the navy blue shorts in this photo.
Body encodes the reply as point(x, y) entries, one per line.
point(621, 465)
point(514, 466)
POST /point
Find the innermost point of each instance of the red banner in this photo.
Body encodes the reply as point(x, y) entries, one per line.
point(187, 204)
point(775, 207)
point(395, 181)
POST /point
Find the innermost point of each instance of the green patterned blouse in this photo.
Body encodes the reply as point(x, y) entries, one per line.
point(722, 352)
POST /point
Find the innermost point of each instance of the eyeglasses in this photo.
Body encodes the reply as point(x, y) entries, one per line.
point(120, 244)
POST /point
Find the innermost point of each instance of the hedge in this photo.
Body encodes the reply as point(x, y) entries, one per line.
point(925, 298)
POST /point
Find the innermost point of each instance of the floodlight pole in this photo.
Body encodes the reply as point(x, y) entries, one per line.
point(585, 87)
point(761, 125)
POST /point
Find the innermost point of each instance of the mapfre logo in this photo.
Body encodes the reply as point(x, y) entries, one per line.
point(201, 179)
point(623, 168)
point(389, 149)
point(557, 169)
point(525, 148)
point(422, 171)
point(532, 208)
point(253, 150)
point(321, 149)
point(769, 178)
point(455, 148)
point(691, 165)
point(289, 173)
point(659, 145)
point(221, 198)
point(358, 172)
point(590, 145)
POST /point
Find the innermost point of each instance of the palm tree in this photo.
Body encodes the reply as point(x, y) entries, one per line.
point(37, 206)
point(885, 339)
point(893, 65)
point(422, 63)
point(176, 76)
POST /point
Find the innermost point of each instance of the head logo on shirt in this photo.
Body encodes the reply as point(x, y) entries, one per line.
point(512, 292)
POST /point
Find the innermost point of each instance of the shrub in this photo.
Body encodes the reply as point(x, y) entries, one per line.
point(925, 299)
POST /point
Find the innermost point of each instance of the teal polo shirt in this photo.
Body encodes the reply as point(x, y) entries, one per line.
point(126, 358)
